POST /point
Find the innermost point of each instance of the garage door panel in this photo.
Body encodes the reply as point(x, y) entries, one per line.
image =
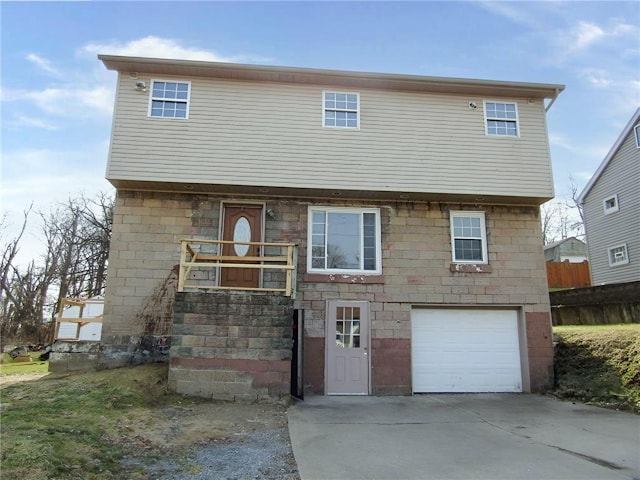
point(465, 350)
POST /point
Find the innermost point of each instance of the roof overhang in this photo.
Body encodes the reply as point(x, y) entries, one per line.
point(312, 76)
point(254, 191)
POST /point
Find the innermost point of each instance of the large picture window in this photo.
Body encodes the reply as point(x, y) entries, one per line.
point(169, 99)
point(468, 237)
point(344, 240)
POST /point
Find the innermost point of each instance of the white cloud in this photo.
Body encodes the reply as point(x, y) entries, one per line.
point(597, 77)
point(43, 64)
point(67, 101)
point(509, 10)
point(154, 47)
point(157, 47)
point(585, 35)
point(623, 29)
point(24, 121)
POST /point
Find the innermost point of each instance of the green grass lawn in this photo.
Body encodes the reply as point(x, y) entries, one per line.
point(10, 367)
point(73, 426)
point(599, 364)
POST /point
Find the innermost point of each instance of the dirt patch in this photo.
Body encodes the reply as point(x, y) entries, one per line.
point(213, 440)
point(20, 377)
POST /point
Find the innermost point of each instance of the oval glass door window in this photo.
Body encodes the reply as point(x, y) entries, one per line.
point(241, 233)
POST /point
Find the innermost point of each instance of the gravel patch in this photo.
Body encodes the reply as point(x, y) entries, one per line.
point(259, 455)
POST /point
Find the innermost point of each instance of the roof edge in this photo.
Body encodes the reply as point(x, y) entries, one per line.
point(307, 75)
point(635, 118)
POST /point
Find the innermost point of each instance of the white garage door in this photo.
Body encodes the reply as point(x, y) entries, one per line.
point(465, 350)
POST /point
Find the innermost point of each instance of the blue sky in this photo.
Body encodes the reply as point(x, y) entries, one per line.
point(57, 98)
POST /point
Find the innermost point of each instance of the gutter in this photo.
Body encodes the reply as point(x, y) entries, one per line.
point(553, 99)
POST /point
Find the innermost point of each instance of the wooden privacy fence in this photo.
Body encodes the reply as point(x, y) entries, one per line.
point(201, 255)
point(599, 305)
point(568, 275)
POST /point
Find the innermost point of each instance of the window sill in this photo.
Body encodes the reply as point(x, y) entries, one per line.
point(470, 268)
point(342, 278)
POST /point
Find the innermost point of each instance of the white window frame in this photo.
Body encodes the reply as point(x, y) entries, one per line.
point(164, 99)
point(616, 205)
point(325, 109)
point(487, 118)
point(473, 214)
point(352, 210)
point(636, 131)
point(611, 258)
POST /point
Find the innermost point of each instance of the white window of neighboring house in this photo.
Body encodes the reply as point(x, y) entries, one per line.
point(344, 240)
point(341, 110)
point(169, 99)
point(618, 255)
point(468, 237)
point(611, 204)
point(636, 130)
point(501, 119)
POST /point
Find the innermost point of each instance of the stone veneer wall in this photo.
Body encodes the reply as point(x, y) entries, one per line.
point(231, 346)
point(416, 267)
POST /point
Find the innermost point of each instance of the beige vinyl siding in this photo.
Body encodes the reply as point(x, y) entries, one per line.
point(621, 177)
point(263, 134)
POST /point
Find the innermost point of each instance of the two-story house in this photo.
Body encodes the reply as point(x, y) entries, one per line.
point(611, 202)
point(398, 214)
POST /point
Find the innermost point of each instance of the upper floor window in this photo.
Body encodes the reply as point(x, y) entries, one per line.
point(611, 204)
point(636, 130)
point(618, 255)
point(169, 99)
point(468, 237)
point(344, 240)
point(501, 119)
point(341, 109)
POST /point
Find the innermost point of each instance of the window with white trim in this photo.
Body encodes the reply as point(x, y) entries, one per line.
point(344, 240)
point(468, 237)
point(618, 255)
point(501, 119)
point(611, 204)
point(169, 99)
point(636, 130)
point(341, 110)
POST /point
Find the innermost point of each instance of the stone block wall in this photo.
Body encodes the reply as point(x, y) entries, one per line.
point(232, 346)
point(73, 356)
point(416, 270)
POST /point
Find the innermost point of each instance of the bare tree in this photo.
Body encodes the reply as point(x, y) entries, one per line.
point(558, 219)
point(575, 203)
point(77, 235)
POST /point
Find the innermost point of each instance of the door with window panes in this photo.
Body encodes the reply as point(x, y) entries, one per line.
point(347, 349)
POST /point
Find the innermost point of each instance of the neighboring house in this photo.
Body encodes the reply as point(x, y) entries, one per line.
point(611, 202)
point(571, 249)
point(567, 265)
point(405, 210)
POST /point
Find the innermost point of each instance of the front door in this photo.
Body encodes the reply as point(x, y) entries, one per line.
point(241, 223)
point(347, 349)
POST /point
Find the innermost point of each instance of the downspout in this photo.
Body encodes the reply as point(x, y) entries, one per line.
point(553, 99)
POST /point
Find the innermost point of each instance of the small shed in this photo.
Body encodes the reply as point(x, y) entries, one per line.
point(80, 319)
point(571, 249)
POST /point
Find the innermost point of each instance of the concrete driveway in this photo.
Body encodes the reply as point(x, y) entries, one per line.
point(483, 436)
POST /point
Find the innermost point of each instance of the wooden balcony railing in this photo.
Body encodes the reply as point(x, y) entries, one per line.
point(202, 255)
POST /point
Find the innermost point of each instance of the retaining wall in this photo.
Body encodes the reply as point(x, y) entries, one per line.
point(599, 305)
point(231, 345)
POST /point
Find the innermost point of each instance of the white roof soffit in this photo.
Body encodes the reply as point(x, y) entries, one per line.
point(618, 143)
point(385, 81)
